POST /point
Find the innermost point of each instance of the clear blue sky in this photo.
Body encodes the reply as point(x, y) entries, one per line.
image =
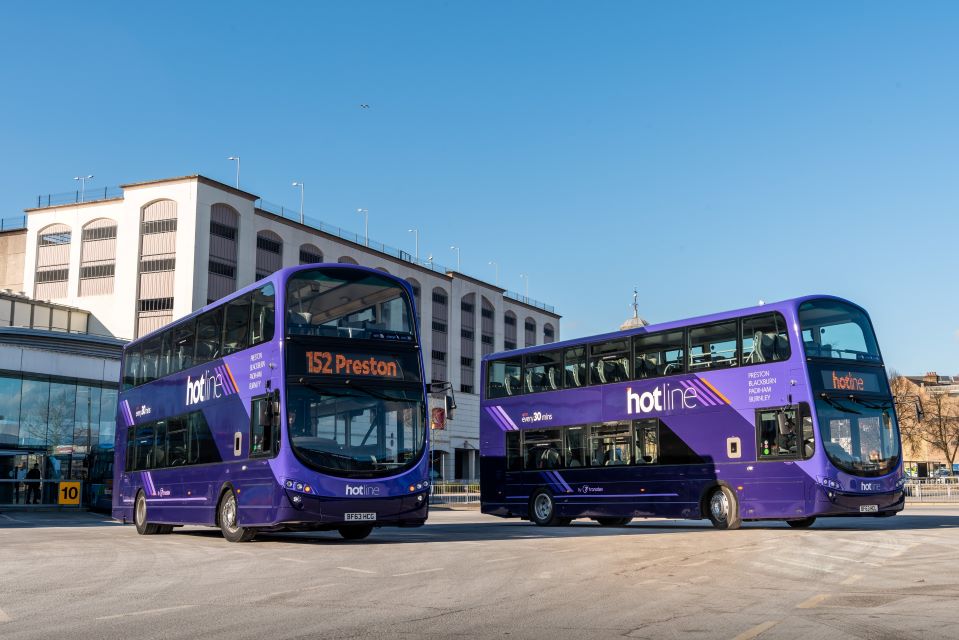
point(711, 154)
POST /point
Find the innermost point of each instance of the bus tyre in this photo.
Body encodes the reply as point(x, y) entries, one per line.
point(542, 510)
point(227, 517)
point(140, 517)
point(722, 508)
point(355, 532)
point(613, 522)
point(801, 523)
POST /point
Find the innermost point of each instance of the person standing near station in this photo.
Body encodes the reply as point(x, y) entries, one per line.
point(33, 485)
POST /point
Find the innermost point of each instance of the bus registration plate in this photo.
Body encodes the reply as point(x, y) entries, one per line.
point(868, 508)
point(360, 517)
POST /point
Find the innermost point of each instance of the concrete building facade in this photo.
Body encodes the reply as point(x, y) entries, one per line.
point(154, 251)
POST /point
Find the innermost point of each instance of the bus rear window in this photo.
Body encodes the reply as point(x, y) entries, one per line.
point(503, 378)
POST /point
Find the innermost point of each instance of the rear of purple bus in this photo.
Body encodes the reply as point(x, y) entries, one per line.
point(297, 403)
point(781, 411)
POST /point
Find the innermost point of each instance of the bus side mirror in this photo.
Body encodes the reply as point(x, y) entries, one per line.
point(450, 405)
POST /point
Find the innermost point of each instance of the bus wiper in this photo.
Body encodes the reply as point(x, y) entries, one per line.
point(835, 405)
point(869, 405)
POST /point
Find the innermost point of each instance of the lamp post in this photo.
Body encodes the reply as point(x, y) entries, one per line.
point(366, 224)
point(526, 278)
point(83, 184)
point(416, 240)
point(457, 250)
point(496, 265)
point(302, 190)
point(237, 159)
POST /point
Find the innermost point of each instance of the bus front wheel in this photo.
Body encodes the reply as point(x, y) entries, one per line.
point(355, 532)
point(228, 517)
point(722, 508)
point(801, 523)
point(542, 510)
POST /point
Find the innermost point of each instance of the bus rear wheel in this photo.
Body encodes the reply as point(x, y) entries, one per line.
point(227, 518)
point(144, 528)
point(355, 532)
point(542, 510)
point(722, 508)
point(801, 523)
point(614, 522)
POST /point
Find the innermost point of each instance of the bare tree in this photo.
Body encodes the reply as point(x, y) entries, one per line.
point(935, 422)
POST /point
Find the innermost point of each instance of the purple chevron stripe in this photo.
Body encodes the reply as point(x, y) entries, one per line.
point(706, 400)
point(497, 419)
point(701, 385)
point(562, 482)
point(506, 417)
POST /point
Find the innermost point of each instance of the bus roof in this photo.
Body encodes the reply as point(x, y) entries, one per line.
point(665, 326)
point(280, 275)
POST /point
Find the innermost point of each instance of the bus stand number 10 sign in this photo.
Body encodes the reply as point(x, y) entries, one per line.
point(69, 493)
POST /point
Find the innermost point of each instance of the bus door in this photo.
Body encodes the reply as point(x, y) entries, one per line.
point(779, 489)
point(261, 491)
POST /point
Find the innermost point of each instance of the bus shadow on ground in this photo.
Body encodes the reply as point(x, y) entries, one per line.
point(24, 519)
point(502, 531)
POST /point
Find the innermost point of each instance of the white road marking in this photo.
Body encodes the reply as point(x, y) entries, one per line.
point(852, 579)
point(301, 561)
point(793, 563)
point(812, 602)
point(4, 617)
point(759, 629)
point(843, 559)
point(416, 573)
point(355, 570)
point(6, 517)
point(147, 612)
point(696, 564)
point(267, 596)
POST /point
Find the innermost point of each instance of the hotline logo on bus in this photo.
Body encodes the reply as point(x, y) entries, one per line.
point(212, 384)
point(338, 364)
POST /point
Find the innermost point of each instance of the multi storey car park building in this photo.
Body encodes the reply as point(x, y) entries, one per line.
point(141, 255)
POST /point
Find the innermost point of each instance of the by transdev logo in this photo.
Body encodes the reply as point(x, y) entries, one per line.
point(662, 398)
point(143, 410)
point(362, 490)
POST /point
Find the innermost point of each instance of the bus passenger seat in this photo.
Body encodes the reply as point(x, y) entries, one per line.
point(553, 375)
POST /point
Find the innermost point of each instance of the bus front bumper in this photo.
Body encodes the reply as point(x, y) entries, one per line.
point(330, 513)
point(836, 503)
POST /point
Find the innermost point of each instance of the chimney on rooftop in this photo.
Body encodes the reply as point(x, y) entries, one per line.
point(931, 377)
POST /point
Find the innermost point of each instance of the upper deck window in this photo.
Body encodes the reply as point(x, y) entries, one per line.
point(659, 354)
point(544, 371)
point(714, 346)
point(504, 376)
point(835, 329)
point(346, 303)
point(765, 339)
point(609, 361)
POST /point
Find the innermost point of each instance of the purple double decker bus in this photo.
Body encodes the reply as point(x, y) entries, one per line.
point(296, 403)
point(776, 412)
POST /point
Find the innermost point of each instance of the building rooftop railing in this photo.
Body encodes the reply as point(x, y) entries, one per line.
point(294, 214)
point(76, 197)
point(10, 224)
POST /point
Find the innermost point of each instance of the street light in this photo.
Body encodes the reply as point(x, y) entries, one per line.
point(457, 250)
point(302, 190)
point(83, 184)
point(237, 159)
point(495, 264)
point(366, 224)
point(416, 237)
point(526, 278)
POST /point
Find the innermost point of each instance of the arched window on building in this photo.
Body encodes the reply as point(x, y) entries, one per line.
point(310, 254)
point(98, 257)
point(224, 225)
point(53, 262)
point(158, 224)
point(549, 334)
point(509, 330)
point(347, 260)
point(468, 343)
point(269, 253)
point(530, 329)
point(487, 327)
point(441, 320)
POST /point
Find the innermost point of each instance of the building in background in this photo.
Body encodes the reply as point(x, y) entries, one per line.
point(58, 396)
point(141, 255)
point(939, 397)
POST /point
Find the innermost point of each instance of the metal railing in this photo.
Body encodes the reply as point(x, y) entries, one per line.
point(339, 232)
point(78, 196)
point(944, 489)
point(9, 224)
point(454, 493)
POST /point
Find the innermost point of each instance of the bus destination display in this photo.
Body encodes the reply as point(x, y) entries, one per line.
point(839, 380)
